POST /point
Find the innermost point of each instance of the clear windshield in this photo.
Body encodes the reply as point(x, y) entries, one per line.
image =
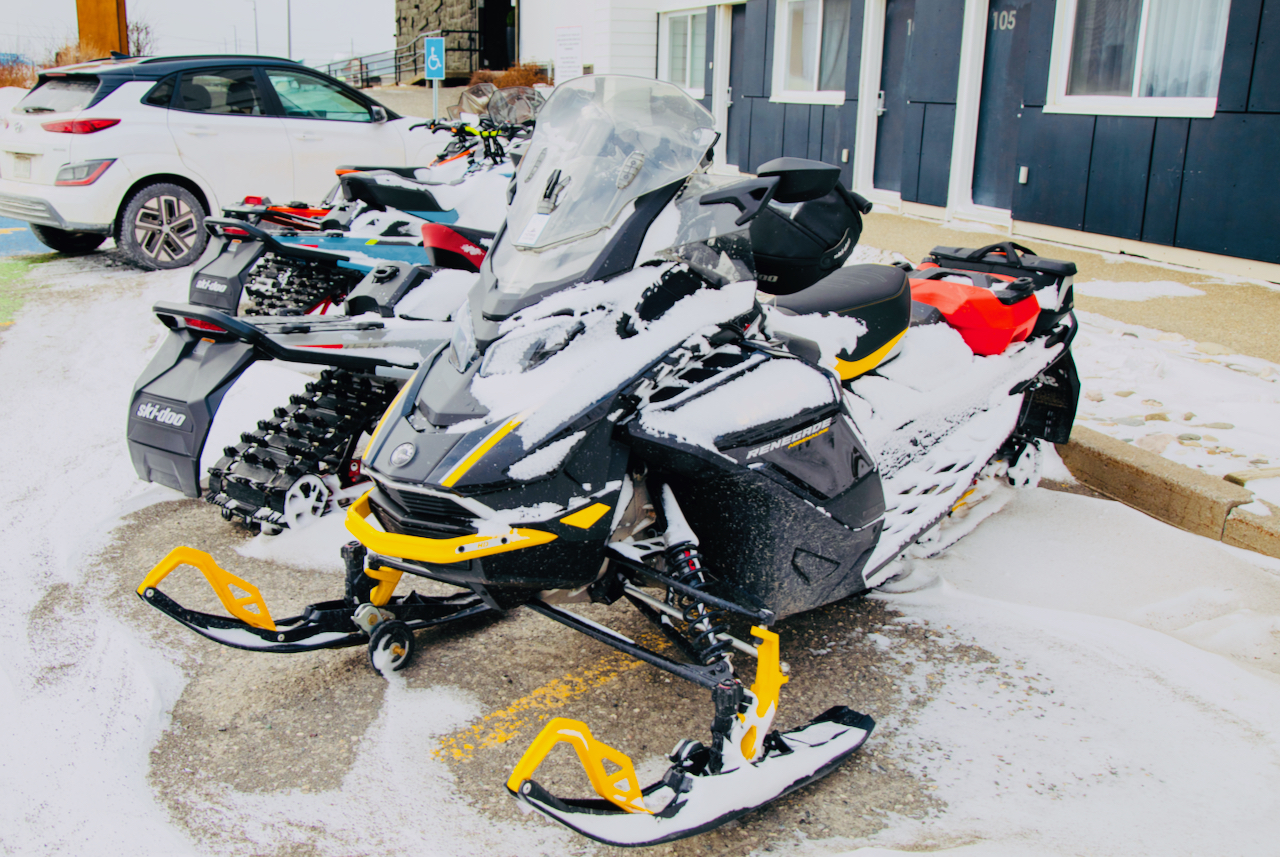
point(515, 104)
point(601, 142)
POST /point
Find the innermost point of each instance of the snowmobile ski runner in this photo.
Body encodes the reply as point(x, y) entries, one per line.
point(622, 414)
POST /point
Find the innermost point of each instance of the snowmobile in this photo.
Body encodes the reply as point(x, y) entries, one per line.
point(624, 412)
point(302, 260)
point(302, 460)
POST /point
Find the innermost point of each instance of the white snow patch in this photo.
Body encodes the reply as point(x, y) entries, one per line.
point(1265, 489)
point(317, 547)
point(774, 390)
point(1182, 400)
point(437, 298)
point(1135, 291)
point(546, 459)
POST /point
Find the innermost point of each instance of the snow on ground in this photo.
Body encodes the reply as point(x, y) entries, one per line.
point(1142, 715)
point(1135, 709)
point(1194, 403)
point(85, 699)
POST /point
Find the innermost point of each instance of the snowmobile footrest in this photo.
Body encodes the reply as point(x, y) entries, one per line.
point(693, 802)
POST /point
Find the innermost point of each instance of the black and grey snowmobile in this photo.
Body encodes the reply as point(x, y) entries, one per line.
point(301, 461)
point(301, 259)
point(622, 414)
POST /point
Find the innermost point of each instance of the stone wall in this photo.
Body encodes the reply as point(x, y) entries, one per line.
point(415, 17)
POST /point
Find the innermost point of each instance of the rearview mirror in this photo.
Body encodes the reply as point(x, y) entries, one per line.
point(378, 112)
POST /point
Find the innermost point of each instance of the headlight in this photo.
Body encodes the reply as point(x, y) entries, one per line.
point(402, 454)
point(524, 349)
point(462, 348)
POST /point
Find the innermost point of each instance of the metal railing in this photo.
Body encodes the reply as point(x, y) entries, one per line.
point(402, 64)
point(363, 72)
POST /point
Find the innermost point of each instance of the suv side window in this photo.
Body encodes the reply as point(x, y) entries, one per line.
point(305, 96)
point(162, 93)
point(228, 91)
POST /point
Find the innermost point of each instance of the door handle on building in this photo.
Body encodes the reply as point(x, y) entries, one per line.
point(880, 108)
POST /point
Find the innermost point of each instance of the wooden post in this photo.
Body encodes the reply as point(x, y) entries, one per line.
point(103, 27)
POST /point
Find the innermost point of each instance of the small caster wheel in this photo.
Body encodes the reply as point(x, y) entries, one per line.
point(228, 515)
point(390, 646)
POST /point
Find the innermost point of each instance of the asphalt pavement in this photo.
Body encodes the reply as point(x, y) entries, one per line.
point(16, 237)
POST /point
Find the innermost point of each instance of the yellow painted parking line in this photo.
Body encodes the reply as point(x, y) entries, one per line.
point(527, 714)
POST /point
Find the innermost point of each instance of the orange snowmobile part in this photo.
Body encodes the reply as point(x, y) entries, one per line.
point(300, 212)
point(987, 326)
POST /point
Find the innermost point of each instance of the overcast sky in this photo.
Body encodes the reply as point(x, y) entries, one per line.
point(322, 29)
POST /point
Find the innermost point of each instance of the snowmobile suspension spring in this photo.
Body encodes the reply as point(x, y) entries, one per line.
point(706, 624)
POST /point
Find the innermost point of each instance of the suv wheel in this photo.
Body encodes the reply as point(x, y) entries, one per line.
point(162, 227)
point(67, 243)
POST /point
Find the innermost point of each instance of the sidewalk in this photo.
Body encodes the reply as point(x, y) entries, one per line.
point(1242, 316)
point(1147, 446)
point(415, 100)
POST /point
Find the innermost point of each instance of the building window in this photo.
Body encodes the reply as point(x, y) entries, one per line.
point(1138, 57)
point(683, 50)
point(811, 52)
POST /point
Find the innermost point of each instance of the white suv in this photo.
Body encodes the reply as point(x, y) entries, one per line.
point(143, 149)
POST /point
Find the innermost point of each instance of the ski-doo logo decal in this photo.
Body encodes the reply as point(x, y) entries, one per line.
point(161, 414)
point(207, 285)
point(792, 439)
point(768, 278)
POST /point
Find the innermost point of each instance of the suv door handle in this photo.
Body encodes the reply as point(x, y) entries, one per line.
point(308, 136)
point(880, 108)
point(201, 131)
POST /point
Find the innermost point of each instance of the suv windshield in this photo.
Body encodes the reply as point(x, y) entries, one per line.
point(59, 95)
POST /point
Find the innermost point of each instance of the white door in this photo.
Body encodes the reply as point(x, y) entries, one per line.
point(328, 127)
point(223, 131)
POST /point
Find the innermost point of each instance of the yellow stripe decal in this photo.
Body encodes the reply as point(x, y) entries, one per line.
point(586, 518)
point(809, 438)
point(460, 469)
point(439, 551)
point(849, 369)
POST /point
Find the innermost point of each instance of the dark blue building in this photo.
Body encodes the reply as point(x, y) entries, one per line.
point(1150, 126)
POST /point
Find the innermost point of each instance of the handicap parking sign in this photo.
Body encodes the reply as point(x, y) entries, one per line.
point(433, 58)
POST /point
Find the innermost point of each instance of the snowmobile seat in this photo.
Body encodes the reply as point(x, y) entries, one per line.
point(877, 295)
point(366, 188)
point(410, 173)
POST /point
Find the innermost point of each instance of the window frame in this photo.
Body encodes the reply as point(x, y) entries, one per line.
point(265, 99)
point(264, 73)
point(780, 93)
point(1057, 100)
point(664, 46)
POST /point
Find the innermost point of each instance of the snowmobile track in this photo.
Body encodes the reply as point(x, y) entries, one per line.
point(284, 286)
point(315, 434)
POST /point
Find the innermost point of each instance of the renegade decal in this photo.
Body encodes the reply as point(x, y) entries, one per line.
point(792, 439)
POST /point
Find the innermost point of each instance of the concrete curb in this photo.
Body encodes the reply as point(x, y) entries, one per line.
point(1178, 495)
